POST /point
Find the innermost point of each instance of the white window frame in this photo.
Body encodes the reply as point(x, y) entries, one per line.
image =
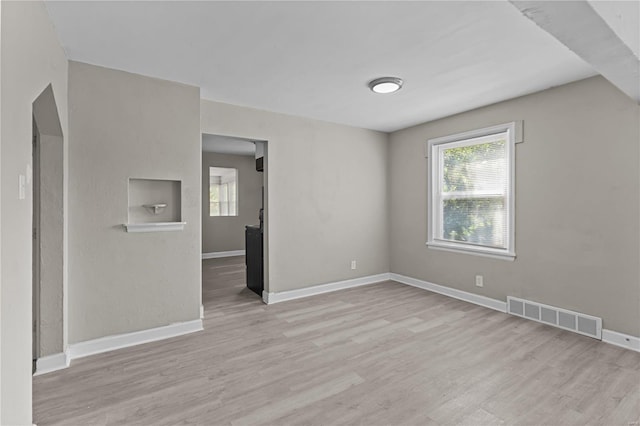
point(433, 210)
point(228, 202)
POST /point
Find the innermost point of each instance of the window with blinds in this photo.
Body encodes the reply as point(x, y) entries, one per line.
point(471, 196)
point(223, 191)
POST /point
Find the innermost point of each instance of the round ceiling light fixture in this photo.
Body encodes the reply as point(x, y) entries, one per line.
point(385, 84)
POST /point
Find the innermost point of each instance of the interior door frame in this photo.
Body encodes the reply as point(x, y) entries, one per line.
point(35, 236)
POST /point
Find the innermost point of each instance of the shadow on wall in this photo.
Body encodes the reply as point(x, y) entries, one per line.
point(48, 225)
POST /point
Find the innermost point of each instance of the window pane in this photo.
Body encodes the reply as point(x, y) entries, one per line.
point(479, 169)
point(224, 192)
point(214, 209)
point(214, 198)
point(232, 191)
point(214, 193)
point(474, 181)
point(481, 221)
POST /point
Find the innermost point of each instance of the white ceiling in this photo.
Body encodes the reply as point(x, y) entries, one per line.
point(314, 58)
point(604, 37)
point(228, 145)
point(624, 19)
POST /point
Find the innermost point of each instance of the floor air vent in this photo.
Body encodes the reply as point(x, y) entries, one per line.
point(561, 318)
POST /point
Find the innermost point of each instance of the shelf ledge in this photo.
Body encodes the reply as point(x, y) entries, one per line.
point(154, 226)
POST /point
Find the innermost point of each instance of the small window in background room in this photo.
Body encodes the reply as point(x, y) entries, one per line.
point(223, 191)
point(471, 192)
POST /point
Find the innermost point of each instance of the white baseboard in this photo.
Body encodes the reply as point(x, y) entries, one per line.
point(218, 254)
point(119, 341)
point(487, 302)
point(608, 336)
point(271, 298)
point(620, 339)
point(50, 363)
point(59, 361)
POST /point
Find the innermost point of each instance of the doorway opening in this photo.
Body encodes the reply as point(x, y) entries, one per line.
point(47, 234)
point(234, 220)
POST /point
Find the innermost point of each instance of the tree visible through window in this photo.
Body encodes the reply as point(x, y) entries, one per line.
point(474, 186)
point(223, 191)
point(471, 199)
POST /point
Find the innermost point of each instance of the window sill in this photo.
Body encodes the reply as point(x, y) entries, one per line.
point(154, 226)
point(474, 252)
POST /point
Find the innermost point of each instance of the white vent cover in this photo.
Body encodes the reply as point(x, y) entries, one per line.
point(557, 317)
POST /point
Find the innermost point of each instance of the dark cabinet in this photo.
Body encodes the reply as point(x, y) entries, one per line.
point(254, 259)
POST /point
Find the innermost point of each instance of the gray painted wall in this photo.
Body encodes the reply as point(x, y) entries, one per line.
point(577, 199)
point(226, 233)
point(327, 195)
point(124, 125)
point(31, 59)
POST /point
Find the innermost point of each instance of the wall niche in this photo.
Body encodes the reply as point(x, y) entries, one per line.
point(155, 205)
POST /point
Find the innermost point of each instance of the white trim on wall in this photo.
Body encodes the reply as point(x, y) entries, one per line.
point(435, 194)
point(608, 336)
point(271, 298)
point(119, 341)
point(60, 361)
point(218, 254)
point(154, 226)
point(497, 305)
point(50, 363)
point(620, 339)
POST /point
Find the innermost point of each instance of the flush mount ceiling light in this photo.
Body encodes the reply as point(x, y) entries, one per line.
point(385, 84)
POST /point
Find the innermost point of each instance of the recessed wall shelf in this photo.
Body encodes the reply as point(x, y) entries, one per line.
point(154, 226)
point(155, 205)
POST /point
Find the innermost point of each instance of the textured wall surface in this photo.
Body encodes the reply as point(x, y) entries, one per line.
point(125, 126)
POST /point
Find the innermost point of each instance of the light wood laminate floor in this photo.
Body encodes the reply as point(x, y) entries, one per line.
point(384, 354)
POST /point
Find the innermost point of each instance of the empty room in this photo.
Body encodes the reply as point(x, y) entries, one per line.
point(320, 213)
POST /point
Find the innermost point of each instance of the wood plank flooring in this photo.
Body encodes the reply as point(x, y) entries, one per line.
point(384, 354)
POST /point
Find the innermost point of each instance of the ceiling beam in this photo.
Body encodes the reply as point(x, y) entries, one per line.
point(580, 28)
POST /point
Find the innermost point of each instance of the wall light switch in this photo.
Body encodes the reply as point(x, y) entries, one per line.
point(22, 189)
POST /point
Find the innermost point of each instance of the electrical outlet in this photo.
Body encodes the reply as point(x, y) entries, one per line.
point(479, 281)
point(353, 264)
